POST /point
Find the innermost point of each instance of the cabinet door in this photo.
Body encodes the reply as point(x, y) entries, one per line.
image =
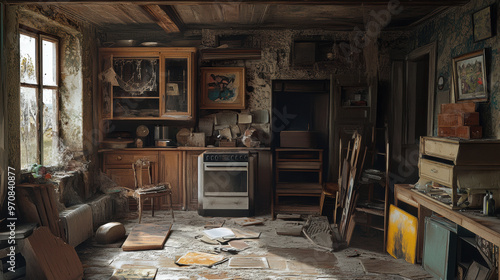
point(177, 85)
point(192, 179)
point(171, 172)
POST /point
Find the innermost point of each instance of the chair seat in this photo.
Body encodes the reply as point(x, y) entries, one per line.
point(330, 188)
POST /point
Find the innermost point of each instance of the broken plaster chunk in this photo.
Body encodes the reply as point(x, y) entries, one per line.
point(235, 131)
point(226, 118)
point(260, 116)
point(244, 118)
point(110, 233)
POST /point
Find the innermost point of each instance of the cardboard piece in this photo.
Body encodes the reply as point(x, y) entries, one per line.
point(202, 259)
point(239, 244)
point(290, 229)
point(248, 262)
point(196, 139)
point(147, 237)
point(214, 224)
point(206, 125)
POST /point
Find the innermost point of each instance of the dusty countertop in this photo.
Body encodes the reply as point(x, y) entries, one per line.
point(186, 149)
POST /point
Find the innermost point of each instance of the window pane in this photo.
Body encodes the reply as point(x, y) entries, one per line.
point(28, 59)
point(28, 127)
point(49, 51)
point(49, 128)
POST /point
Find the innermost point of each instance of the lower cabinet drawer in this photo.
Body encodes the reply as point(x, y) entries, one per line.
point(438, 172)
point(119, 158)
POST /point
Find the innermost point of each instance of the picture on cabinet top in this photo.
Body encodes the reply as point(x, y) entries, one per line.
point(222, 88)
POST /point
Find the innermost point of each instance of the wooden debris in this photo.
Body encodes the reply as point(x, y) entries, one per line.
point(135, 273)
point(198, 258)
point(318, 231)
point(245, 234)
point(48, 257)
point(214, 224)
point(247, 221)
point(248, 262)
point(147, 237)
point(288, 216)
point(239, 244)
point(394, 267)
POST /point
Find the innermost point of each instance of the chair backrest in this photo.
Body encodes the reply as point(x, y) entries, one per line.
point(138, 166)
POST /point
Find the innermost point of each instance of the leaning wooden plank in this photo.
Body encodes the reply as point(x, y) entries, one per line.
point(40, 207)
point(53, 224)
point(147, 237)
point(350, 228)
point(53, 206)
point(48, 257)
point(27, 207)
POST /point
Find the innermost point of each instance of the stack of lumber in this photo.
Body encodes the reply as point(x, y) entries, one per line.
point(459, 120)
point(37, 204)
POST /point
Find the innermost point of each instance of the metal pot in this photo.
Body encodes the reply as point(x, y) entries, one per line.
point(161, 132)
point(164, 143)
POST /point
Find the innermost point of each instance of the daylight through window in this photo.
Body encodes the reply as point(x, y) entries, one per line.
point(38, 100)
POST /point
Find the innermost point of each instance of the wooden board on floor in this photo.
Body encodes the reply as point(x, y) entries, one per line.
point(147, 237)
point(402, 235)
point(248, 262)
point(48, 257)
point(135, 273)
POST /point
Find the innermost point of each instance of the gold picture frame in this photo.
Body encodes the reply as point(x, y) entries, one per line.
point(222, 88)
point(469, 77)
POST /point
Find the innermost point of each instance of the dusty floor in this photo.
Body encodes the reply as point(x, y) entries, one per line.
point(289, 257)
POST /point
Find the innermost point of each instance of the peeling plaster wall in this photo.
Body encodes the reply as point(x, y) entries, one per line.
point(78, 50)
point(276, 62)
point(453, 32)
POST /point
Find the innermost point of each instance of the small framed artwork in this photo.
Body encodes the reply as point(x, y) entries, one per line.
point(469, 76)
point(222, 88)
point(482, 24)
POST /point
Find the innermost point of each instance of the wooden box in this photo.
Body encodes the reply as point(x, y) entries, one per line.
point(462, 119)
point(454, 108)
point(469, 132)
point(298, 139)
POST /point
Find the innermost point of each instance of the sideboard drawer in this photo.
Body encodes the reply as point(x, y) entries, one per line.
point(439, 172)
point(127, 158)
point(439, 148)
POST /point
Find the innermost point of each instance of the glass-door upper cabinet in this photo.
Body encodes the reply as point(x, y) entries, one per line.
point(136, 93)
point(177, 101)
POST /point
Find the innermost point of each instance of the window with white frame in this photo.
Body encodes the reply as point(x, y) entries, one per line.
point(39, 57)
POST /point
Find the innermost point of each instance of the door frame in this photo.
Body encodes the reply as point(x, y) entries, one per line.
point(431, 50)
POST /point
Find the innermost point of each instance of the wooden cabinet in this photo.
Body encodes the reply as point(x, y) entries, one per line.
point(298, 177)
point(147, 83)
point(192, 179)
point(171, 171)
point(471, 165)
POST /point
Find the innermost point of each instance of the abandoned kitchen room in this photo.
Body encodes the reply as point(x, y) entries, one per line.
point(249, 139)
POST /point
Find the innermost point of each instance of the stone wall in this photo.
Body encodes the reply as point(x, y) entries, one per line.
point(453, 32)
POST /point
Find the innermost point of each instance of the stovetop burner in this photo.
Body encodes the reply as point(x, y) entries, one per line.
point(214, 156)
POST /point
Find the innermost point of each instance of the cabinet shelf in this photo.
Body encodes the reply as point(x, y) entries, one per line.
point(289, 162)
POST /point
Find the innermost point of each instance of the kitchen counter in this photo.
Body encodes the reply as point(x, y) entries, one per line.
point(186, 149)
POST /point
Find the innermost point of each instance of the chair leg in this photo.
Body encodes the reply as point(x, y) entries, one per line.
point(140, 209)
point(171, 207)
point(335, 209)
point(321, 203)
point(153, 206)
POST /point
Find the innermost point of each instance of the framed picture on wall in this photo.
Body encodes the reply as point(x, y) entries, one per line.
point(469, 75)
point(482, 24)
point(222, 88)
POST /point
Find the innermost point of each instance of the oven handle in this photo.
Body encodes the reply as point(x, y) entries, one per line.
point(225, 168)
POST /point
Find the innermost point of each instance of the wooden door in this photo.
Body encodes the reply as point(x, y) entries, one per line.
point(192, 179)
point(170, 170)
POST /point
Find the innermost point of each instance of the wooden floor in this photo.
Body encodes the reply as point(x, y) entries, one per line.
point(289, 257)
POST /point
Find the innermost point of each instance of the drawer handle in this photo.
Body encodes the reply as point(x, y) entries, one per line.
point(118, 158)
point(434, 170)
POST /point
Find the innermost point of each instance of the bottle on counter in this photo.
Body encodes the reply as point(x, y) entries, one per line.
point(485, 203)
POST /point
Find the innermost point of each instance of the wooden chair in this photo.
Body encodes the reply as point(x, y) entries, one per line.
point(150, 191)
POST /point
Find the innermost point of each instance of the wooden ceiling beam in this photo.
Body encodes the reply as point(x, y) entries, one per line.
point(161, 18)
point(268, 2)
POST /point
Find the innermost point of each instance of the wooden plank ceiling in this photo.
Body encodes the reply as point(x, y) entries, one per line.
point(181, 15)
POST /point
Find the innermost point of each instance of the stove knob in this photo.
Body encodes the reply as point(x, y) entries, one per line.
point(233, 157)
point(212, 158)
point(216, 158)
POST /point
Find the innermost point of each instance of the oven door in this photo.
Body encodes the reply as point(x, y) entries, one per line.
point(225, 179)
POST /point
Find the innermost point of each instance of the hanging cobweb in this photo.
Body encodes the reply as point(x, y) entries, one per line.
point(136, 76)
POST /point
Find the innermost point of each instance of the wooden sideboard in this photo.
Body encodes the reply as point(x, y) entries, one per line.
point(179, 166)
